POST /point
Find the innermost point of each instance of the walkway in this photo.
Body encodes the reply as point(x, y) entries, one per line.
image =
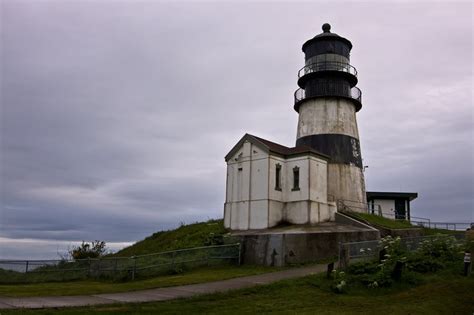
point(159, 294)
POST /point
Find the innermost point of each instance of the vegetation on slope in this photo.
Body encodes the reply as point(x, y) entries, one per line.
point(388, 223)
point(382, 221)
point(186, 236)
point(428, 231)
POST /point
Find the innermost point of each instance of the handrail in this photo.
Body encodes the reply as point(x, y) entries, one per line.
point(329, 90)
point(327, 66)
point(456, 226)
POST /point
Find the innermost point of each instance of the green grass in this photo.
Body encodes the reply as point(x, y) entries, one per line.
point(438, 295)
point(428, 231)
point(381, 221)
point(186, 236)
point(200, 275)
point(200, 234)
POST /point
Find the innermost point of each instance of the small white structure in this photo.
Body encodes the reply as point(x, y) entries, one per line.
point(393, 205)
point(269, 184)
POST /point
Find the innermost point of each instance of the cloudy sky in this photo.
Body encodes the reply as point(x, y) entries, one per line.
point(116, 115)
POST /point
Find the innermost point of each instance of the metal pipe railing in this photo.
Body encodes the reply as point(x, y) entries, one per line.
point(327, 66)
point(329, 89)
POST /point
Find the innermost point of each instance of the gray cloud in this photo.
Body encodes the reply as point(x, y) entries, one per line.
point(116, 115)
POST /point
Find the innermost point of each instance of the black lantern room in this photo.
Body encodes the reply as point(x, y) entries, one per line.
point(327, 71)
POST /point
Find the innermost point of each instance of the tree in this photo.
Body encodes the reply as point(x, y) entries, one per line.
point(94, 249)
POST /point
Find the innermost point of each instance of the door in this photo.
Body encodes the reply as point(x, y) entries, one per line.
point(400, 210)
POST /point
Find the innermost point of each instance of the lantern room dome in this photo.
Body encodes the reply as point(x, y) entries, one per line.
point(326, 35)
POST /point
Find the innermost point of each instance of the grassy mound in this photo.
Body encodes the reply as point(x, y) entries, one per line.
point(382, 221)
point(186, 236)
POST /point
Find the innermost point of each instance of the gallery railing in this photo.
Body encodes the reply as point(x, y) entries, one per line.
point(327, 66)
point(328, 89)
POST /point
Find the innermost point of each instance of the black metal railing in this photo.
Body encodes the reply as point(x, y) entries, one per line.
point(329, 90)
point(327, 66)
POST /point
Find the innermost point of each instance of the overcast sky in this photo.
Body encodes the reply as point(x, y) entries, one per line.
point(116, 115)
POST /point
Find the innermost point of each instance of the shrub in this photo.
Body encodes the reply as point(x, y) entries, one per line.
point(339, 284)
point(93, 250)
point(435, 254)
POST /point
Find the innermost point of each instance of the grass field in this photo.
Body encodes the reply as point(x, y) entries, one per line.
point(199, 275)
point(438, 295)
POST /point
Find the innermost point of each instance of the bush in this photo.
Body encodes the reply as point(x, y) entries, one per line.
point(435, 254)
point(95, 249)
point(339, 284)
point(397, 264)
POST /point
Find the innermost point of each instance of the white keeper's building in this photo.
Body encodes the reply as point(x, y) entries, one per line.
point(269, 184)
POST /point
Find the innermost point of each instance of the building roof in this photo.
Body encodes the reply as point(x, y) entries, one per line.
point(274, 147)
point(391, 195)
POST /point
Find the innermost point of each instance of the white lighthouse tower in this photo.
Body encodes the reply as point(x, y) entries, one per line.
point(327, 102)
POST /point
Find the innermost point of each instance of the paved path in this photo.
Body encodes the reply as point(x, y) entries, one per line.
point(159, 294)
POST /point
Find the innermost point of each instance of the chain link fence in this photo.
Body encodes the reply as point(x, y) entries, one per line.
point(117, 268)
point(357, 251)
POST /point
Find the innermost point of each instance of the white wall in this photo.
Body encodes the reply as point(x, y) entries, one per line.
point(327, 115)
point(252, 202)
point(303, 193)
point(273, 193)
point(318, 189)
point(346, 182)
point(387, 206)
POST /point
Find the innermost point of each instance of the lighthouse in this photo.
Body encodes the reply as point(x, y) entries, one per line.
point(327, 102)
point(295, 204)
point(270, 185)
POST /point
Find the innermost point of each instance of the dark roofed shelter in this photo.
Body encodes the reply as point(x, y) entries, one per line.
point(391, 204)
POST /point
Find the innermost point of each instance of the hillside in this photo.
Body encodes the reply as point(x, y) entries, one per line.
point(186, 236)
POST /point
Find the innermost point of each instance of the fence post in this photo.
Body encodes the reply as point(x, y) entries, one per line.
point(240, 254)
point(339, 256)
point(98, 267)
point(173, 257)
point(26, 267)
point(134, 270)
point(89, 269)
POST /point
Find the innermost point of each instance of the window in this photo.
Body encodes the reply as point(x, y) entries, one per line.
point(296, 178)
point(278, 177)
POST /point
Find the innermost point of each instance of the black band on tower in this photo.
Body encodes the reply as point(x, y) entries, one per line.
point(341, 148)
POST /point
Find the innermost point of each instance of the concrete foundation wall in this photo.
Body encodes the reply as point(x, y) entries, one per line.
point(284, 249)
